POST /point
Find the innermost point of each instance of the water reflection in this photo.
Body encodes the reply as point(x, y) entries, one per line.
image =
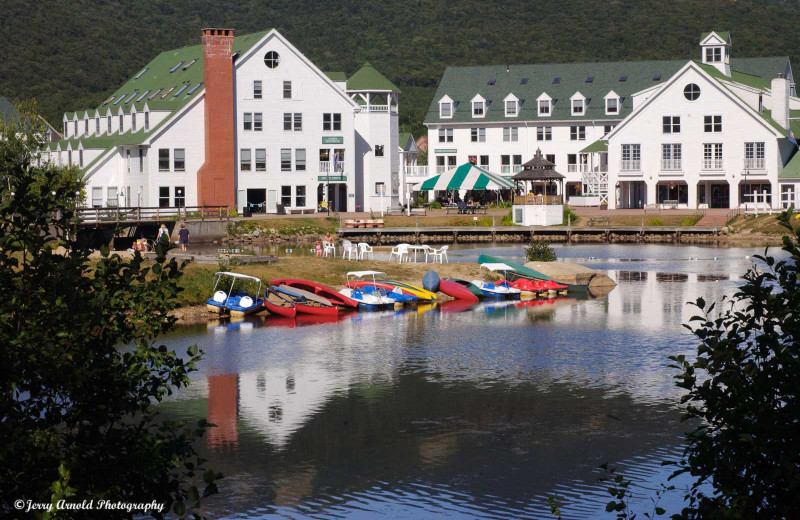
point(454, 410)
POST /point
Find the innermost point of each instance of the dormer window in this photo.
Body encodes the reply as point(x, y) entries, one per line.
point(612, 103)
point(446, 108)
point(478, 106)
point(511, 106)
point(544, 104)
point(578, 104)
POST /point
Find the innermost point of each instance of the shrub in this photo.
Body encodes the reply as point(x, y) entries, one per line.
point(741, 394)
point(508, 220)
point(691, 220)
point(436, 205)
point(233, 213)
point(569, 214)
point(655, 222)
point(539, 250)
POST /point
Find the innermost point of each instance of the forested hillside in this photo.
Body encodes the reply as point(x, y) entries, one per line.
point(71, 54)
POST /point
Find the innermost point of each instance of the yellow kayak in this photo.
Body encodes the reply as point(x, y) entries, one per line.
point(419, 292)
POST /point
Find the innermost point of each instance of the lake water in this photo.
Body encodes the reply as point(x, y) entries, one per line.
point(453, 413)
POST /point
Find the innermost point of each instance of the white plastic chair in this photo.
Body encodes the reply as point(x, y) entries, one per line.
point(400, 251)
point(349, 250)
point(365, 249)
point(441, 253)
point(328, 248)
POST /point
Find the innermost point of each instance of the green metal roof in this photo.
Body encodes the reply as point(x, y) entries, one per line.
point(792, 168)
point(368, 78)
point(528, 82)
point(336, 76)
point(162, 88)
point(598, 146)
point(725, 35)
point(403, 138)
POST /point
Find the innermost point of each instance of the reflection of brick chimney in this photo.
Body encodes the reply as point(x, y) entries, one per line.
point(216, 183)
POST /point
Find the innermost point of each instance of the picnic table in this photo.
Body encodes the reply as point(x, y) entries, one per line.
point(604, 220)
point(464, 209)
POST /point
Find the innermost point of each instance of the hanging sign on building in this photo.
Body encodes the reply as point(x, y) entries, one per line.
point(445, 150)
point(333, 140)
point(331, 178)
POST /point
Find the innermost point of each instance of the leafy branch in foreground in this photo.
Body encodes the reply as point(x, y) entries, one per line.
point(744, 454)
point(80, 369)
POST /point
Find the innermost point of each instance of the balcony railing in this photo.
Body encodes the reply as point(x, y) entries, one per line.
point(671, 164)
point(537, 200)
point(415, 171)
point(379, 108)
point(712, 164)
point(572, 168)
point(328, 167)
point(440, 169)
point(755, 163)
point(631, 165)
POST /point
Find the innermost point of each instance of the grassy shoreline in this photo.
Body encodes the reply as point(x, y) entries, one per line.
point(198, 279)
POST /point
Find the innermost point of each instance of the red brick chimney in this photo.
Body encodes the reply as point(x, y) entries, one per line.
point(216, 182)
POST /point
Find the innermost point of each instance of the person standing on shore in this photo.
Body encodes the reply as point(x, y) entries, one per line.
point(183, 237)
point(163, 234)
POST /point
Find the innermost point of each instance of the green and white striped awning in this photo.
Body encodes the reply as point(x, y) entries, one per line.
point(467, 177)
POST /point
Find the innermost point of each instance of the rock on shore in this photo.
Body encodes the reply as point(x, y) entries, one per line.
point(573, 274)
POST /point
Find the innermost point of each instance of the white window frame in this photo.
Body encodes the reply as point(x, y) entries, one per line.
point(478, 102)
point(446, 101)
point(511, 100)
point(544, 101)
point(612, 96)
point(578, 100)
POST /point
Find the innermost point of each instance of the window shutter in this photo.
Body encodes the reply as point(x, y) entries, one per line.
point(297, 91)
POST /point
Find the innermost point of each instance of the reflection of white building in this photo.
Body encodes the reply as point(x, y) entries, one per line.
point(238, 121)
point(709, 132)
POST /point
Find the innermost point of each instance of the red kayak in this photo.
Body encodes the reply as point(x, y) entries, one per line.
point(457, 291)
point(319, 289)
point(316, 310)
point(278, 305)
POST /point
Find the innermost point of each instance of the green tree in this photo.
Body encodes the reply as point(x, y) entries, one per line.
point(742, 391)
point(539, 250)
point(79, 368)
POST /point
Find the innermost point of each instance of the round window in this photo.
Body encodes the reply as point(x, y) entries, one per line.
point(272, 59)
point(691, 92)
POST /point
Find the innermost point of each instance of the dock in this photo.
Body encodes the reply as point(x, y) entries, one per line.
point(465, 234)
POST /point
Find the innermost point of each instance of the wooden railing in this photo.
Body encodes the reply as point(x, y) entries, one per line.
point(537, 200)
point(122, 215)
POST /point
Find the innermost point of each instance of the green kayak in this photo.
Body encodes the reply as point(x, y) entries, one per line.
point(520, 271)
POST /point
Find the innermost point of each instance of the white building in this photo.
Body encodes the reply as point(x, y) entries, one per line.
point(245, 121)
point(705, 133)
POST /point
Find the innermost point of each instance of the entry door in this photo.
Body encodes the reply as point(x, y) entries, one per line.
point(272, 197)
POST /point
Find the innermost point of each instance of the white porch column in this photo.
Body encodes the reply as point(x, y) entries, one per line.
point(734, 194)
point(691, 198)
point(776, 194)
point(651, 191)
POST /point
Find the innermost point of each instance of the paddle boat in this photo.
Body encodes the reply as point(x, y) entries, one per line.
point(375, 299)
point(329, 293)
point(236, 300)
point(279, 304)
point(499, 289)
point(306, 302)
point(392, 291)
point(520, 271)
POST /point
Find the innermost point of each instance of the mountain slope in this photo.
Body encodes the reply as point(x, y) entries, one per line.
point(70, 55)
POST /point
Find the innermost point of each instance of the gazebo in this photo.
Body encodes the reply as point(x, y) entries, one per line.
point(539, 170)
